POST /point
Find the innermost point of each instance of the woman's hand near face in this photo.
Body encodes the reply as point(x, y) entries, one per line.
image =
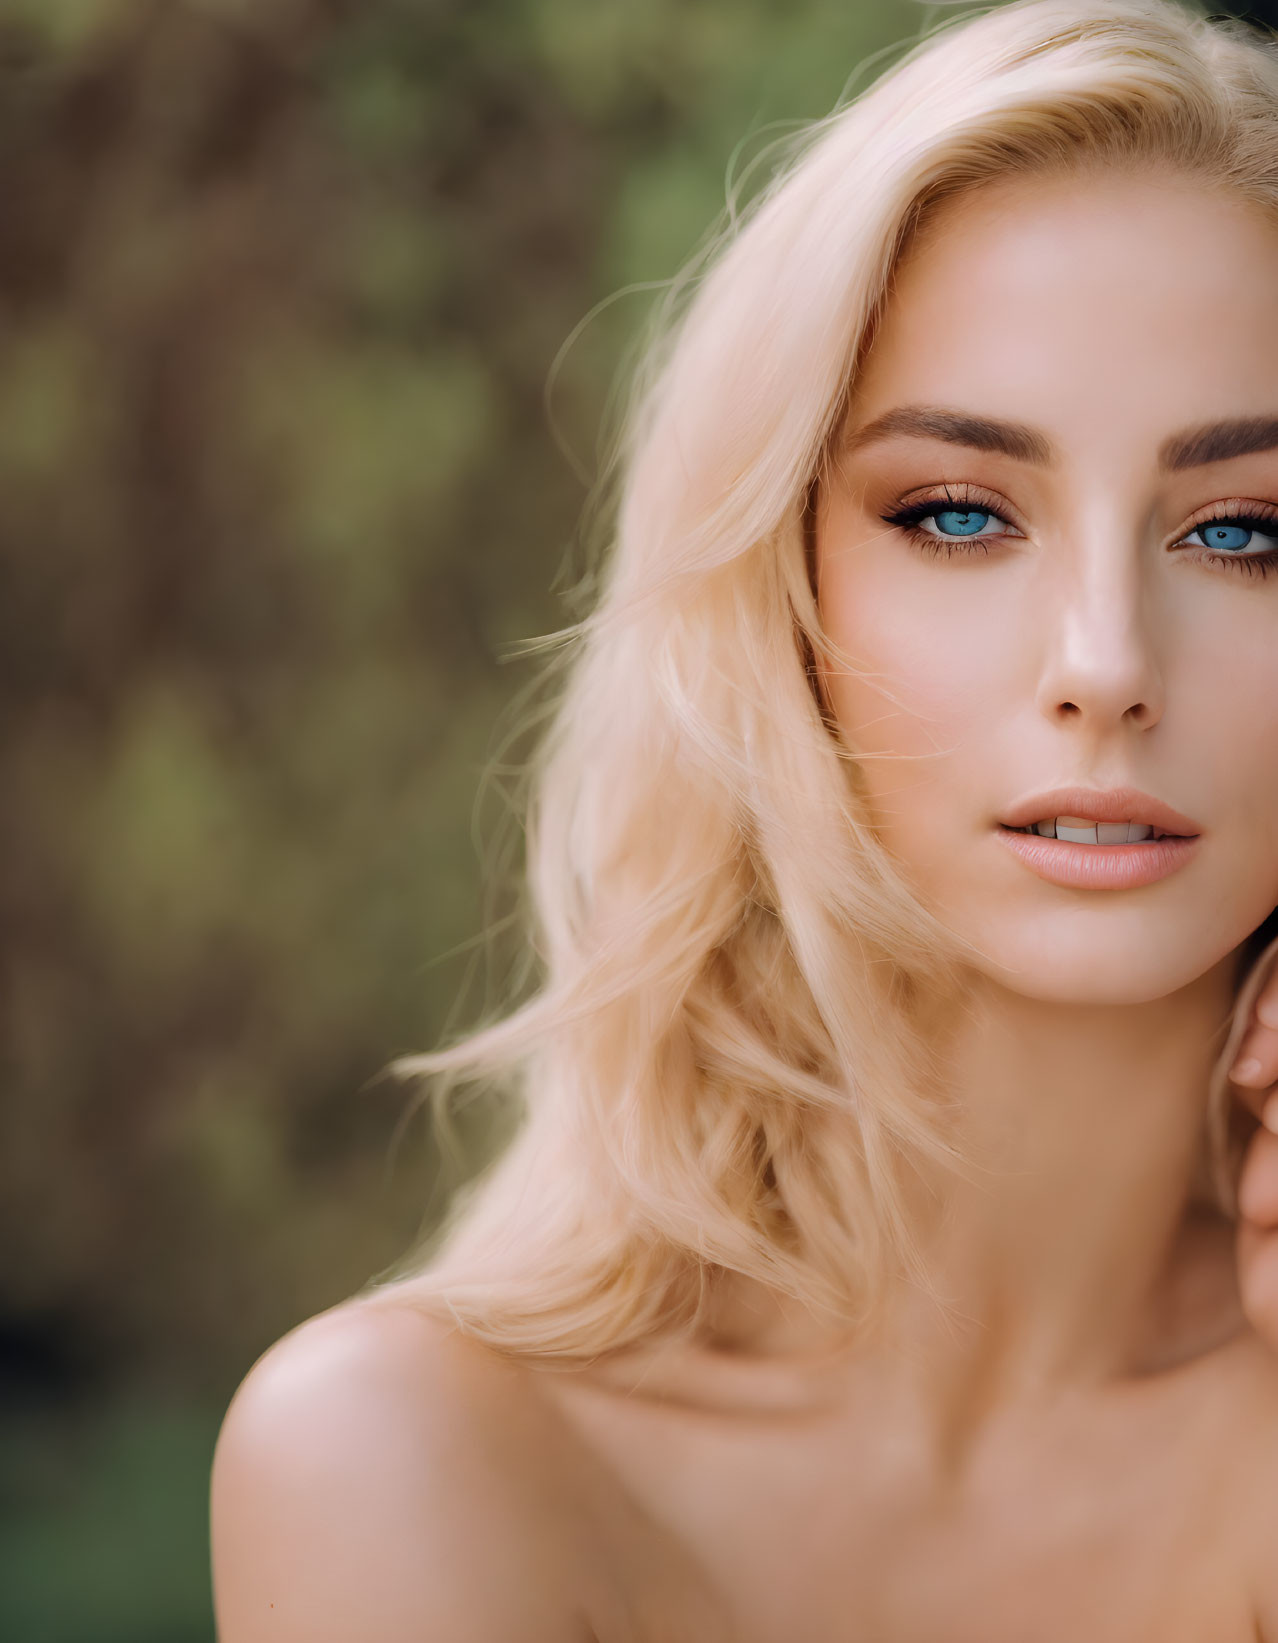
point(1257, 1088)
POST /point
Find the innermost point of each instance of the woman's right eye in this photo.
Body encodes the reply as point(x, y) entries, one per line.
point(960, 526)
point(960, 521)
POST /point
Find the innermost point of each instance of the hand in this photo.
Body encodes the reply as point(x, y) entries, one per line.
point(1254, 1076)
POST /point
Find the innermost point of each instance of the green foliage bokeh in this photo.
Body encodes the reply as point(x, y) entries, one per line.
point(281, 287)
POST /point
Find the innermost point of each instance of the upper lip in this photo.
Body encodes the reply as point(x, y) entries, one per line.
point(1118, 804)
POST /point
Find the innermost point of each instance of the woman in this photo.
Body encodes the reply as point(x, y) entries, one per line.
point(905, 864)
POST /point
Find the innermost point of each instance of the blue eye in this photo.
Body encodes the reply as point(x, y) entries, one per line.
point(1219, 536)
point(1222, 534)
point(961, 524)
point(961, 531)
point(1227, 535)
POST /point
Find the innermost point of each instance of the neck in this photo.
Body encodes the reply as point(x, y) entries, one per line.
point(1060, 1257)
point(1076, 1251)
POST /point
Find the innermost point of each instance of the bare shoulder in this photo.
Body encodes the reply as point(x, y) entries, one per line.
point(376, 1475)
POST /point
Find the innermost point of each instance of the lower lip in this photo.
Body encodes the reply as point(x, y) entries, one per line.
point(1100, 866)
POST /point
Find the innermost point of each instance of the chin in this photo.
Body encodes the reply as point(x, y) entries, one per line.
point(1134, 967)
point(1092, 989)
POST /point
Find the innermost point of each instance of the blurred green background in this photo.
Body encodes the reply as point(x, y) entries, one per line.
point(281, 286)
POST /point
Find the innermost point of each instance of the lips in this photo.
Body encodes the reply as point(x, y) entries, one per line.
point(1073, 866)
point(1118, 804)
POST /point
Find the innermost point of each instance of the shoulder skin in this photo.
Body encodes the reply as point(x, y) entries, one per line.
point(372, 1479)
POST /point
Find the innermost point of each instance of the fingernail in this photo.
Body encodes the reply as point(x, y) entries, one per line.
point(1267, 1010)
point(1245, 1071)
point(1269, 1113)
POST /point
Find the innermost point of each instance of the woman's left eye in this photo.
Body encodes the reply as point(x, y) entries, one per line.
point(1227, 535)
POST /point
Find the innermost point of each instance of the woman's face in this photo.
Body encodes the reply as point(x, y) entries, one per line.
point(1084, 630)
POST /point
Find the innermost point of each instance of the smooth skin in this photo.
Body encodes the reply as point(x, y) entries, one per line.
point(1086, 1443)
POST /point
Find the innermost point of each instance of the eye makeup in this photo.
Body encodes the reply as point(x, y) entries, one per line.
point(966, 501)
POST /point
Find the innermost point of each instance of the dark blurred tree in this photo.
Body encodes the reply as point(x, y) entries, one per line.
point(280, 289)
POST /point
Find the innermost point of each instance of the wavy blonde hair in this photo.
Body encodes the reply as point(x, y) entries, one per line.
point(724, 1066)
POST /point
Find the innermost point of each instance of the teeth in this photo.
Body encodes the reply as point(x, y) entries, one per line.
point(1078, 830)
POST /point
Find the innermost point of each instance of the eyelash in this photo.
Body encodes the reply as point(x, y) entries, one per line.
point(908, 519)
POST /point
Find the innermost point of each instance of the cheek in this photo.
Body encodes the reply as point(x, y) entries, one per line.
point(929, 675)
point(1227, 708)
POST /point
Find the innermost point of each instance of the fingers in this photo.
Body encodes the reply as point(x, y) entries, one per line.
point(1254, 1075)
point(1258, 1183)
point(1255, 1066)
point(1258, 1281)
point(1257, 1248)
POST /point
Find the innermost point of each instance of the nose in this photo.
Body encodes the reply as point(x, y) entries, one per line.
point(1100, 666)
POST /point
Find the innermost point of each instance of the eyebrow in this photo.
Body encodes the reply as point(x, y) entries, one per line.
point(1190, 448)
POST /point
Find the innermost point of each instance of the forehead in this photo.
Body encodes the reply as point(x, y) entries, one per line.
point(1083, 303)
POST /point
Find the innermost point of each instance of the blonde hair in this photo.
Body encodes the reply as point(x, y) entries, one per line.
point(724, 1068)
